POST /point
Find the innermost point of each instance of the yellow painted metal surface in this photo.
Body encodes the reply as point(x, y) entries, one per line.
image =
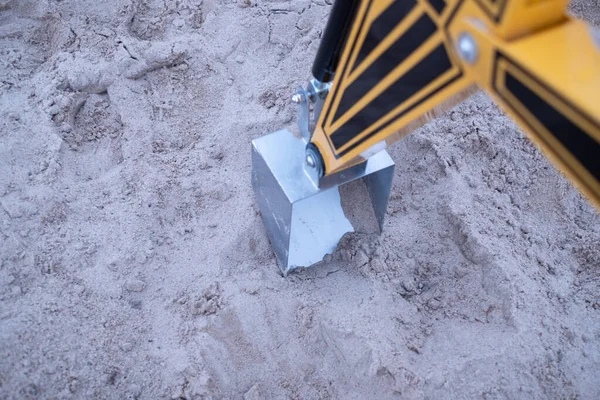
point(548, 82)
point(515, 18)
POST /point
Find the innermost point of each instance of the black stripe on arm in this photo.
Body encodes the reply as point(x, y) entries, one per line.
point(573, 138)
point(396, 54)
point(420, 76)
point(439, 5)
point(382, 26)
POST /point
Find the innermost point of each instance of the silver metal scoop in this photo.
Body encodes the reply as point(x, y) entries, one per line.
point(302, 213)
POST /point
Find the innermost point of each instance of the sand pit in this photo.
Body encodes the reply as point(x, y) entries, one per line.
point(134, 264)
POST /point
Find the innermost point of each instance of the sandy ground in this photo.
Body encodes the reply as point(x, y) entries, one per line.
point(134, 264)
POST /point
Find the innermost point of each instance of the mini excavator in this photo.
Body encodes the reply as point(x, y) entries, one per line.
point(386, 67)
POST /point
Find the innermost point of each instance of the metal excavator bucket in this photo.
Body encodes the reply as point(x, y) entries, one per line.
point(300, 206)
point(303, 216)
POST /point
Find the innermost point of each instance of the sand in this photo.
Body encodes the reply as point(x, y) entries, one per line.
point(134, 263)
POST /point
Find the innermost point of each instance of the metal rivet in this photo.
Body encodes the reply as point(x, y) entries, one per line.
point(467, 48)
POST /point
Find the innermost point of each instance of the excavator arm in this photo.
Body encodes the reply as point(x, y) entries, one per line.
point(386, 67)
point(404, 62)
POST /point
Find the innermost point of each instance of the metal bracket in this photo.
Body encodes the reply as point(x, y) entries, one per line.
point(313, 95)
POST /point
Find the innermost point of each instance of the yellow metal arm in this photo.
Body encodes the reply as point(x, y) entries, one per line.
point(405, 61)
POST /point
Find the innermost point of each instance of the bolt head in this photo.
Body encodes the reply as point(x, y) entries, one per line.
point(467, 48)
point(312, 159)
point(297, 98)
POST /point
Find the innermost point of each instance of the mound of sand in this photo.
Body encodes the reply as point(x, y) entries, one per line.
point(134, 264)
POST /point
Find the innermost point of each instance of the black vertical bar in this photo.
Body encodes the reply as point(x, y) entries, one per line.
point(334, 39)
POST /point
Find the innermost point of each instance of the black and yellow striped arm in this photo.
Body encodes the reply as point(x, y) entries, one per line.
point(402, 66)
